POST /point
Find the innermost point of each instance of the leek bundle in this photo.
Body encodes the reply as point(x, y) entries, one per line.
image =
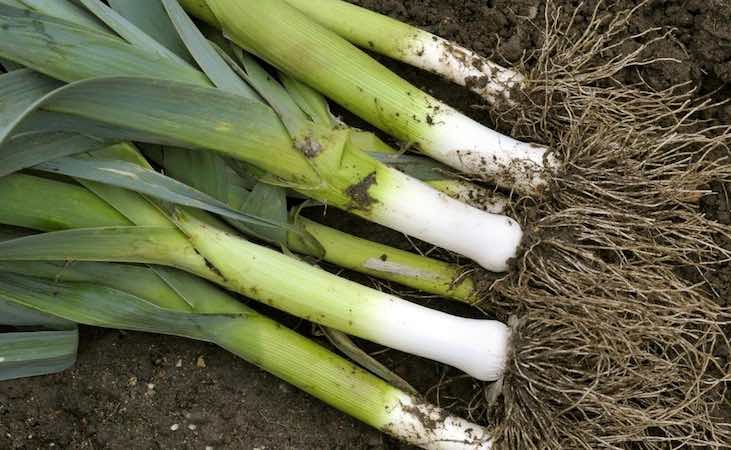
point(171, 302)
point(628, 169)
point(602, 320)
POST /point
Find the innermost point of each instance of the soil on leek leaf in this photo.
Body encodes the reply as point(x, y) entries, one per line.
point(139, 391)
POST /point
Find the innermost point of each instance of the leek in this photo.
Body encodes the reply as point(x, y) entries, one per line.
point(336, 247)
point(414, 46)
point(200, 311)
point(297, 45)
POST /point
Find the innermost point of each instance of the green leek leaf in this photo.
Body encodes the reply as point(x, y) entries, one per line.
point(196, 117)
point(33, 353)
point(133, 244)
point(150, 17)
point(96, 305)
point(28, 201)
point(269, 201)
point(19, 90)
point(294, 119)
point(30, 149)
point(129, 31)
point(425, 169)
point(60, 9)
point(20, 316)
point(67, 52)
point(145, 181)
point(309, 100)
point(137, 280)
point(200, 170)
point(208, 59)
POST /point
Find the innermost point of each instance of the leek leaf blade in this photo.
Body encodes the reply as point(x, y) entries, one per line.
point(29, 149)
point(134, 244)
point(68, 52)
point(150, 17)
point(129, 31)
point(205, 55)
point(33, 353)
point(95, 305)
point(309, 100)
point(145, 181)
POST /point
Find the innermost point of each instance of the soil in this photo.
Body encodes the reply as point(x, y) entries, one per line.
point(139, 391)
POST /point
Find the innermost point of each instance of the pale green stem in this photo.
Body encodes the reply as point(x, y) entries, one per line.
point(382, 261)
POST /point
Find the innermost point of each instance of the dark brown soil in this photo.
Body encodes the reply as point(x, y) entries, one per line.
point(130, 390)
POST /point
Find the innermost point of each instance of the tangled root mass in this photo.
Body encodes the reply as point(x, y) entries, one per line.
point(615, 343)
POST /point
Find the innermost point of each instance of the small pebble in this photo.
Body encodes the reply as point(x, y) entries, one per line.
point(174, 427)
point(150, 386)
point(179, 363)
point(192, 427)
point(200, 362)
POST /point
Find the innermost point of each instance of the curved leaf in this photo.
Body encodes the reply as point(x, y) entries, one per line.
point(309, 100)
point(20, 89)
point(61, 9)
point(145, 181)
point(67, 52)
point(196, 117)
point(278, 98)
point(30, 149)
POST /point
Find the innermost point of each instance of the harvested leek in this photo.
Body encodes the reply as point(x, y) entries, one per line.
point(414, 46)
point(166, 301)
point(296, 44)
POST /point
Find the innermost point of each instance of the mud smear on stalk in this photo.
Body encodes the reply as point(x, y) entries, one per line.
point(358, 193)
point(615, 343)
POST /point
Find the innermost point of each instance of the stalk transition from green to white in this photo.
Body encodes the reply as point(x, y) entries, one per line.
point(414, 46)
point(338, 382)
point(478, 347)
point(299, 46)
